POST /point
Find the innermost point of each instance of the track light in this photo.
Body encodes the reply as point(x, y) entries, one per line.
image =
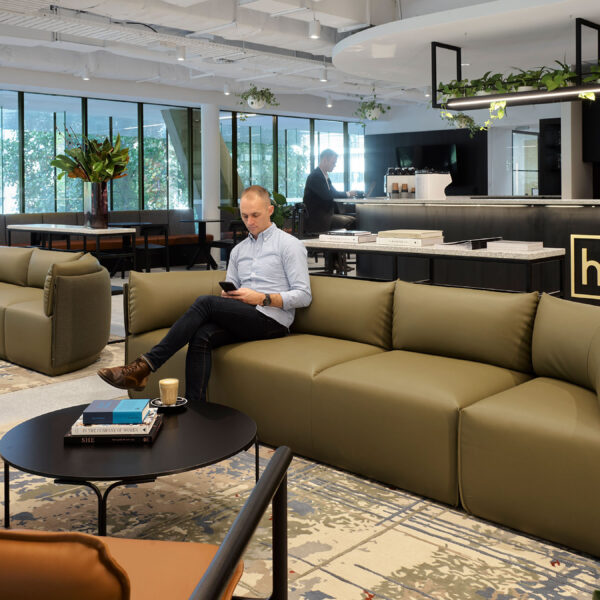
point(329, 103)
point(227, 89)
point(85, 75)
point(314, 29)
point(181, 53)
point(323, 77)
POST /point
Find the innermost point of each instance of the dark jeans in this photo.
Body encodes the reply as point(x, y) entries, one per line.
point(211, 322)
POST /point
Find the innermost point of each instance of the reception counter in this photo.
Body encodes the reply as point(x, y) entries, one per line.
point(570, 224)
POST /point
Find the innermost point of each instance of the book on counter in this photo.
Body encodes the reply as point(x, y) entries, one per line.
point(410, 242)
point(514, 246)
point(116, 411)
point(347, 235)
point(116, 438)
point(411, 233)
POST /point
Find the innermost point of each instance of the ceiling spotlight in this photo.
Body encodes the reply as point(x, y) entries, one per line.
point(180, 52)
point(314, 29)
point(85, 75)
point(323, 77)
point(227, 90)
point(329, 103)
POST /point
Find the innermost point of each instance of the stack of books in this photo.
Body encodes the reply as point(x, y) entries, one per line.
point(347, 235)
point(514, 246)
point(410, 237)
point(115, 422)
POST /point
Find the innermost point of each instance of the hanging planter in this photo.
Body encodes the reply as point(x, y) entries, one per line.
point(370, 110)
point(258, 98)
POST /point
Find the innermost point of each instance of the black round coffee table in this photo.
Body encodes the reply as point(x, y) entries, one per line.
point(187, 440)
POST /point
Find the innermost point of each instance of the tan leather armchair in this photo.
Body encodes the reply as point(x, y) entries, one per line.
point(72, 566)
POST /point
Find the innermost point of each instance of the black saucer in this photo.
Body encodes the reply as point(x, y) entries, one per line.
point(180, 404)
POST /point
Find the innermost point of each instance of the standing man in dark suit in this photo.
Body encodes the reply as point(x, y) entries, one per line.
point(322, 212)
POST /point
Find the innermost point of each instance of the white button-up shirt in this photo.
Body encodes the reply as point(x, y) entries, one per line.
point(273, 263)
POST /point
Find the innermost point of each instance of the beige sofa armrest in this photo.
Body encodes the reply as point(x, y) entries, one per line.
point(81, 316)
point(157, 300)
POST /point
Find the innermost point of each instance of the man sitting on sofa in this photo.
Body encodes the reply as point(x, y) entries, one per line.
point(270, 271)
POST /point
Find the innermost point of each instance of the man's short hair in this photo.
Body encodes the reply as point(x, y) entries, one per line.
point(327, 153)
point(258, 190)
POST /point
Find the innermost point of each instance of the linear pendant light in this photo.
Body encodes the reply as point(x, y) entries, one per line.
point(517, 98)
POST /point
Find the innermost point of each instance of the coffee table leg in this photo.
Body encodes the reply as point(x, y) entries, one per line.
point(256, 460)
point(6, 497)
point(102, 498)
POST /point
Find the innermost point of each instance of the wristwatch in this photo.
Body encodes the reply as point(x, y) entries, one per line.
point(267, 300)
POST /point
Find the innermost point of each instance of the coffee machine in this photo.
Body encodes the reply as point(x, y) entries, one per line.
point(407, 184)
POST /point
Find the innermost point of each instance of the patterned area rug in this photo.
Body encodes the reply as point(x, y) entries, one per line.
point(14, 377)
point(349, 539)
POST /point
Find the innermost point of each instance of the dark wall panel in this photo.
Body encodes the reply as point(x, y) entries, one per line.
point(380, 153)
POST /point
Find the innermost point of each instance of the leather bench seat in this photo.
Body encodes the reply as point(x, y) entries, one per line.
point(406, 433)
point(529, 458)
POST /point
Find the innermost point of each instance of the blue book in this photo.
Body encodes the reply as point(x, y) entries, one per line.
point(116, 411)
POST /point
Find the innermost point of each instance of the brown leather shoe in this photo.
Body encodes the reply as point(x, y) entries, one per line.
point(133, 376)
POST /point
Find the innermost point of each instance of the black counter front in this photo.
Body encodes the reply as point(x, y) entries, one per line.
point(554, 225)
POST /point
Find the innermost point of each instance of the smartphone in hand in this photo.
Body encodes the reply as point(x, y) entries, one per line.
point(227, 286)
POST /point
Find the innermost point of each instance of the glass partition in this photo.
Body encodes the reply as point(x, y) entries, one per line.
point(356, 148)
point(9, 152)
point(525, 163)
point(330, 134)
point(107, 118)
point(255, 150)
point(49, 122)
point(293, 158)
point(165, 157)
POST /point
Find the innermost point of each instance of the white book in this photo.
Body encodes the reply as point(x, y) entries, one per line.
point(514, 246)
point(410, 242)
point(411, 233)
point(78, 428)
point(366, 237)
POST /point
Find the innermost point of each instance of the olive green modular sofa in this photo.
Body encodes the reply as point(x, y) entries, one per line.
point(484, 399)
point(54, 309)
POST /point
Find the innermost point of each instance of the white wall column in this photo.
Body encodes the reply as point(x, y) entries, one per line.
point(576, 176)
point(211, 169)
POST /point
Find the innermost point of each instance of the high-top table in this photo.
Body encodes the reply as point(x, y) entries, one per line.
point(432, 253)
point(46, 231)
point(203, 250)
point(188, 440)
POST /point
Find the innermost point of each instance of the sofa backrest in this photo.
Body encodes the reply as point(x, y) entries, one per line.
point(14, 264)
point(478, 325)
point(566, 341)
point(348, 309)
point(42, 260)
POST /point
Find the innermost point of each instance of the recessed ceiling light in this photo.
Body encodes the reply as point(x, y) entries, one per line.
point(314, 29)
point(180, 52)
point(323, 77)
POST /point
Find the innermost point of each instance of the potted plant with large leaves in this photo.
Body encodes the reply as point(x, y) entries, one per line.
point(96, 163)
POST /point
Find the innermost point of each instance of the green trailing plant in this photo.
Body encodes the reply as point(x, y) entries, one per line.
point(529, 77)
point(91, 159)
point(261, 95)
point(497, 111)
point(461, 121)
point(553, 79)
point(594, 74)
point(370, 110)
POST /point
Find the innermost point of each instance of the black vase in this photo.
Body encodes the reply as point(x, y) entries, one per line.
point(95, 204)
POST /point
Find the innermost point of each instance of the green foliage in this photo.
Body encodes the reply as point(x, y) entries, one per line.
point(461, 121)
point(282, 210)
point(367, 108)
point(264, 94)
point(594, 74)
point(92, 160)
point(557, 78)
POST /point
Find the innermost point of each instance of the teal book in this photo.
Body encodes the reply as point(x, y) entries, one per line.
point(116, 411)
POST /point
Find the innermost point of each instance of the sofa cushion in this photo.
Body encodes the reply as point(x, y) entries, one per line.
point(348, 309)
point(14, 294)
point(529, 459)
point(14, 263)
point(85, 263)
point(489, 327)
point(394, 416)
point(59, 566)
point(563, 341)
point(42, 260)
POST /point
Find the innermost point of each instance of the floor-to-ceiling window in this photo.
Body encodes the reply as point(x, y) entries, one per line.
point(293, 156)
point(525, 163)
point(166, 152)
point(356, 148)
point(330, 134)
point(228, 170)
point(107, 118)
point(10, 152)
point(50, 124)
point(255, 150)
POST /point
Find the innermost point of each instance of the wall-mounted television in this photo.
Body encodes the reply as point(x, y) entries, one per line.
point(436, 157)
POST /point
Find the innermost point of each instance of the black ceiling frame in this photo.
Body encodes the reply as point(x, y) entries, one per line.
point(517, 98)
point(434, 83)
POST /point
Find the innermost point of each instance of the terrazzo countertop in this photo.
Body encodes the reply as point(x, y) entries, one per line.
point(72, 229)
point(478, 201)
